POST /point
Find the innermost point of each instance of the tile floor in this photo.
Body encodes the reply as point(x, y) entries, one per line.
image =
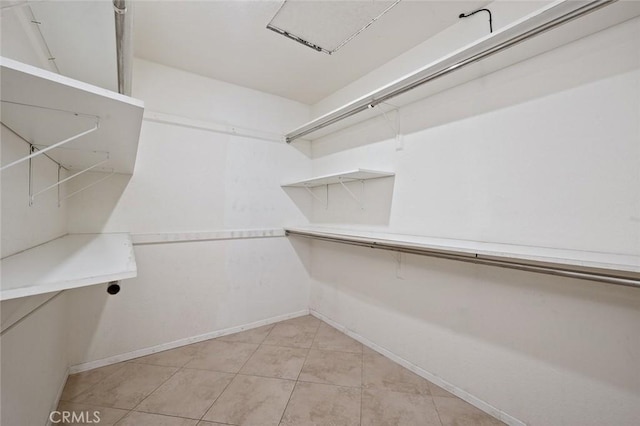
point(294, 373)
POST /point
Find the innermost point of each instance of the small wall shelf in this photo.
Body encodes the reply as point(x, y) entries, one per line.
point(71, 261)
point(357, 175)
point(343, 177)
point(550, 27)
point(605, 267)
point(78, 126)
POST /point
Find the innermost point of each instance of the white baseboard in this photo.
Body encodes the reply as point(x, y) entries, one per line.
point(182, 342)
point(460, 393)
point(58, 396)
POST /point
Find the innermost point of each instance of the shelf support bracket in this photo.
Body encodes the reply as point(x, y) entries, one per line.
point(351, 194)
point(55, 145)
point(325, 203)
point(59, 182)
point(395, 125)
point(88, 186)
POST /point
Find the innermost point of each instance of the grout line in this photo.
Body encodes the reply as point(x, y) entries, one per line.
point(158, 414)
point(329, 384)
point(165, 414)
point(157, 387)
point(300, 372)
point(124, 417)
point(436, 407)
point(90, 388)
point(266, 377)
point(233, 379)
point(214, 401)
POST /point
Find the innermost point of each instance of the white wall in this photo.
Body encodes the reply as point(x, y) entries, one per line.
point(186, 180)
point(543, 153)
point(33, 357)
point(194, 180)
point(34, 362)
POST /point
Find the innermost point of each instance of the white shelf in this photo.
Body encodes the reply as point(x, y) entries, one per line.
point(615, 268)
point(446, 72)
point(348, 176)
point(39, 106)
point(71, 261)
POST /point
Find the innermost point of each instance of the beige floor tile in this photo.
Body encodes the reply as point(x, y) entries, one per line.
point(438, 391)
point(203, 423)
point(251, 400)
point(135, 418)
point(304, 321)
point(255, 335)
point(456, 412)
point(331, 339)
point(218, 355)
point(334, 368)
point(383, 408)
point(177, 357)
point(276, 361)
point(80, 382)
point(127, 387)
point(188, 393)
point(321, 405)
point(382, 373)
point(88, 414)
point(291, 335)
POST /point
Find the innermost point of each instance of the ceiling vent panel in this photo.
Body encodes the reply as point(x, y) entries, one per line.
point(326, 26)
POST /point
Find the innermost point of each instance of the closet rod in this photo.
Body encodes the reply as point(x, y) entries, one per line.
point(364, 104)
point(559, 270)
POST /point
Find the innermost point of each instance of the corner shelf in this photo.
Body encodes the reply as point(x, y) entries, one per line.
point(71, 261)
point(79, 126)
point(621, 269)
point(554, 25)
point(343, 177)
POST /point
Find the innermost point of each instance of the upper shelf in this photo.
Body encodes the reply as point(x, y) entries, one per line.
point(348, 176)
point(525, 38)
point(72, 261)
point(608, 267)
point(45, 108)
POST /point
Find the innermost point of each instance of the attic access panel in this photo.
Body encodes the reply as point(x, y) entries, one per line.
point(326, 26)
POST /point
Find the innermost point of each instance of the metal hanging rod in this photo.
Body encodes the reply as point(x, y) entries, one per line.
point(392, 91)
point(560, 270)
point(124, 46)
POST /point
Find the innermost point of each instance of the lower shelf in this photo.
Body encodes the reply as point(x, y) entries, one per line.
point(71, 261)
point(605, 267)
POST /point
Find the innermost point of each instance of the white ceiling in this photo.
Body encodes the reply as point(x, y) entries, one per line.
point(228, 41)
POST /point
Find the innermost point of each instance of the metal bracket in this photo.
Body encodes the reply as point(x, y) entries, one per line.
point(59, 182)
point(351, 194)
point(88, 186)
point(394, 124)
point(324, 202)
point(95, 127)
